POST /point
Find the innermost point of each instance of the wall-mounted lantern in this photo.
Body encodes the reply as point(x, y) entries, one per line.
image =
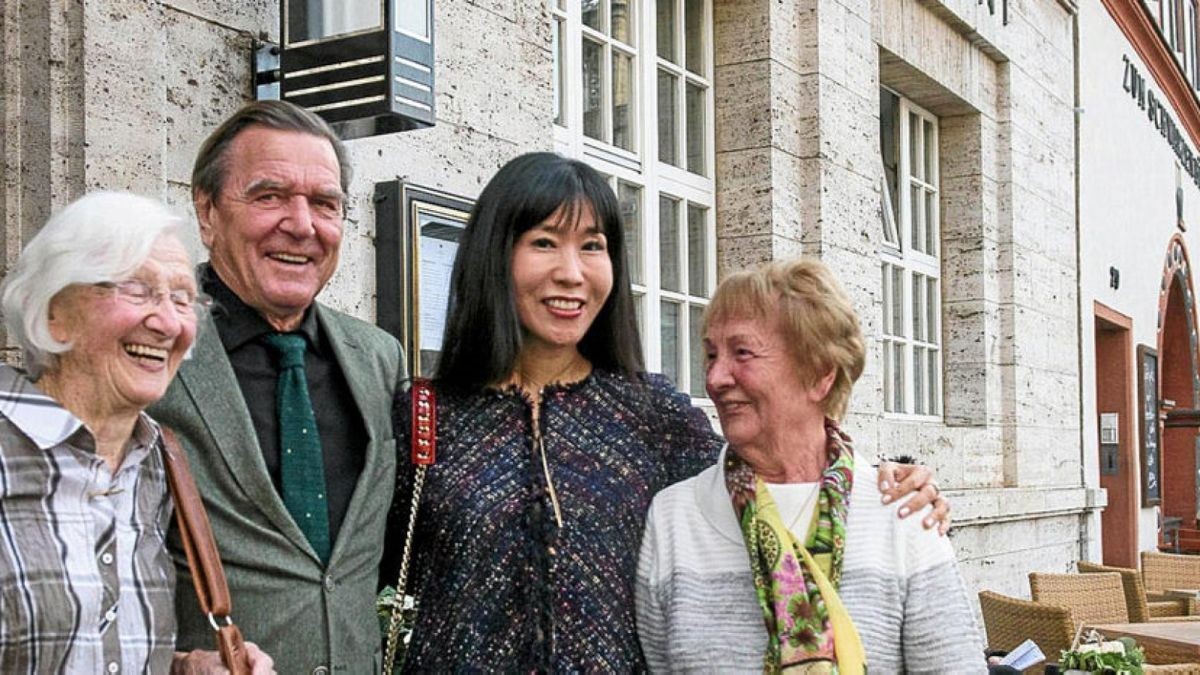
point(366, 66)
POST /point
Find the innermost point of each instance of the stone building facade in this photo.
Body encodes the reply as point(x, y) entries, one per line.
point(923, 148)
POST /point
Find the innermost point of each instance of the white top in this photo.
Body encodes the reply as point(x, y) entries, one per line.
point(696, 603)
point(795, 502)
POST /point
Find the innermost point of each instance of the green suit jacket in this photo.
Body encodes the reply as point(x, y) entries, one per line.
point(308, 618)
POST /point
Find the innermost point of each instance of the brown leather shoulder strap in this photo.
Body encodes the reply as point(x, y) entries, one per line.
point(203, 558)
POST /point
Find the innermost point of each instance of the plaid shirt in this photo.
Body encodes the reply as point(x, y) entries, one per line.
point(86, 583)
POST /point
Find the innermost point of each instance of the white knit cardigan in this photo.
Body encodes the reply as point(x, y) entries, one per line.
point(696, 606)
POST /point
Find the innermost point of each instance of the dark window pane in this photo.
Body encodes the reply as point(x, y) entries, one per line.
point(622, 21)
point(917, 240)
point(889, 122)
point(590, 12)
point(934, 383)
point(930, 222)
point(665, 25)
point(915, 165)
point(668, 243)
point(695, 128)
point(898, 376)
point(919, 400)
point(630, 197)
point(669, 333)
point(559, 82)
point(668, 118)
point(693, 35)
point(622, 100)
point(696, 351)
point(593, 113)
point(697, 234)
point(930, 151)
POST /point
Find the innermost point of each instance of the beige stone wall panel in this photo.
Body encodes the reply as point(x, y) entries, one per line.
point(743, 116)
point(253, 17)
point(124, 95)
point(206, 78)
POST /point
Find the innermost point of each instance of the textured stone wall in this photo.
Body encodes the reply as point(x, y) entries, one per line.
point(798, 172)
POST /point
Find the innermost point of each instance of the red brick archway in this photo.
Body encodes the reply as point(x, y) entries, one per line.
point(1179, 383)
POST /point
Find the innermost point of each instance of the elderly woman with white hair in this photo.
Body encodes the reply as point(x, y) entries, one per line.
point(103, 304)
point(781, 556)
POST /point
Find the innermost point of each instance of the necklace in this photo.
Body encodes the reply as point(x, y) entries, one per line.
point(534, 388)
point(805, 508)
point(537, 438)
point(535, 397)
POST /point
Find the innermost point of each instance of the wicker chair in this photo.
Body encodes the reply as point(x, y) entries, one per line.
point(1092, 598)
point(1164, 571)
point(1011, 621)
point(1139, 607)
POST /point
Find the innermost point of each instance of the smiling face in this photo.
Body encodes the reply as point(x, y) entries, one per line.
point(755, 384)
point(274, 230)
point(123, 355)
point(562, 276)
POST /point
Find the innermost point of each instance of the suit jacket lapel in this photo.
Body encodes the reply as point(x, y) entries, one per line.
point(356, 368)
point(210, 381)
point(368, 390)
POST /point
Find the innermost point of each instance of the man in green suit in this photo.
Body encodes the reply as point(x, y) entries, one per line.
point(298, 500)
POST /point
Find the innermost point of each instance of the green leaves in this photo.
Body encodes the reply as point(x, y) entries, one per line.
point(1122, 657)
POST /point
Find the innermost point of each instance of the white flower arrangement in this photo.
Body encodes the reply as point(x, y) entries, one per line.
point(1091, 653)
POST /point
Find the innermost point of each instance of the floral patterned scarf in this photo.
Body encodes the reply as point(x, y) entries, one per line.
point(796, 580)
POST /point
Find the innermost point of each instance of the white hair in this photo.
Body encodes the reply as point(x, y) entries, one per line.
point(102, 236)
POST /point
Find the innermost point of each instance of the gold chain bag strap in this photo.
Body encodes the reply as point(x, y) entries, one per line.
point(424, 453)
point(203, 558)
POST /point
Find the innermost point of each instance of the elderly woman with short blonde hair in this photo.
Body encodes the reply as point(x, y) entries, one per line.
point(781, 556)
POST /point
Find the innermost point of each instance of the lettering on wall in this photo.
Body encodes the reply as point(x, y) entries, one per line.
point(1159, 115)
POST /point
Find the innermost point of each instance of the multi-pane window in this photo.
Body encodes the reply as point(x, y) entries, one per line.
point(910, 259)
point(681, 84)
point(633, 98)
point(1177, 23)
point(607, 55)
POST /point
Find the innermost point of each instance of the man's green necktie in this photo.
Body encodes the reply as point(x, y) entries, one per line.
point(302, 469)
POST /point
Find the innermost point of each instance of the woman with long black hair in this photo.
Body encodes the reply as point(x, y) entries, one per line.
point(552, 440)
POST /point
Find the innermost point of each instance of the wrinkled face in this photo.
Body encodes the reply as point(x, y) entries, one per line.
point(562, 276)
point(123, 354)
point(274, 231)
point(755, 384)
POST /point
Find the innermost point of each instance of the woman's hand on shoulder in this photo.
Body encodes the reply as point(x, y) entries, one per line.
point(916, 482)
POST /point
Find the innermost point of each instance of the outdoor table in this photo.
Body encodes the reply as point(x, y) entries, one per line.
point(1189, 595)
point(1164, 642)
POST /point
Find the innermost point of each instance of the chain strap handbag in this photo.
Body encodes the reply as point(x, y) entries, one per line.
point(424, 453)
point(204, 560)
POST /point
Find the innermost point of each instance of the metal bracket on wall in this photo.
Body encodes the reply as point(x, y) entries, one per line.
point(265, 66)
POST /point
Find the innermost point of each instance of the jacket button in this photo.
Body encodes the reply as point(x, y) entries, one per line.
point(329, 582)
point(320, 670)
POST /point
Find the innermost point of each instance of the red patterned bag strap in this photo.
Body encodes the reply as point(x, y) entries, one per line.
point(424, 454)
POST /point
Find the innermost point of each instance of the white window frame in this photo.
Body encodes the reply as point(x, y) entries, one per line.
point(642, 169)
point(916, 229)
